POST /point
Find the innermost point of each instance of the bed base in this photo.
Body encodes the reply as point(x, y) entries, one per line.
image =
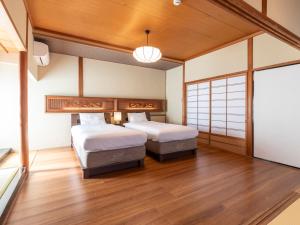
point(173, 155)
point(90, 172)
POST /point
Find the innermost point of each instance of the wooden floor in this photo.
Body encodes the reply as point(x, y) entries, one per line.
point(214, 188)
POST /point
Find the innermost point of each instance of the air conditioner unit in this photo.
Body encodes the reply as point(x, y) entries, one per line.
point(41, 53)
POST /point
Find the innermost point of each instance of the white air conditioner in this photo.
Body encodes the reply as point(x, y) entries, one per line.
point(41, 53)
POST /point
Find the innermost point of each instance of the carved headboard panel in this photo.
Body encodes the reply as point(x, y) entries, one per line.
point(66, 104)
point(75, 119)
point(140, 105)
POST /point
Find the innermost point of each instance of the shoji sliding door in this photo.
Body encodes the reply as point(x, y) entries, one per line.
point(276, 115)
point(217, 108)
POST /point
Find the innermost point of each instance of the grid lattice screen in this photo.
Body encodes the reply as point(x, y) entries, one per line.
point(218, 106)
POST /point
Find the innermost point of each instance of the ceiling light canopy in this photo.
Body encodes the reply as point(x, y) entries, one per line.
point(147, 54)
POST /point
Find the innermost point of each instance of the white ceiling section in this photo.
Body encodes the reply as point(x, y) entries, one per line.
point(92, 52)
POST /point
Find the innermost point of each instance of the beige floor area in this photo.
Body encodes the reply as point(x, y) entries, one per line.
point(13, 159)
point(290, 216)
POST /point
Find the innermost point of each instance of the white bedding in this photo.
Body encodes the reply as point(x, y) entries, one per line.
point(104, 137)
point(164, 132)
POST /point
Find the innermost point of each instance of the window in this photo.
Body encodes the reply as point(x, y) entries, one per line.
point(218, 106)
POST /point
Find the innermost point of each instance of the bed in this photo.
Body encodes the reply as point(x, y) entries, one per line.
point(102, 147)
point(165, 141)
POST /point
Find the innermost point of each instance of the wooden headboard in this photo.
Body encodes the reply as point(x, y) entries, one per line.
point(68, 104)
point(75, 119)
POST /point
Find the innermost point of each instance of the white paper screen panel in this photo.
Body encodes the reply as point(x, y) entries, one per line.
point(227, 106)
point(198, 106)
point(276, 115)
point(236, 106)
point(218, 106)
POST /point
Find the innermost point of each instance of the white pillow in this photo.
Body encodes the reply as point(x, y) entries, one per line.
point(137, 117)
point(92, 118)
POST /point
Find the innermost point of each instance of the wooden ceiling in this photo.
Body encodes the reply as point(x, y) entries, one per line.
point(180, 32)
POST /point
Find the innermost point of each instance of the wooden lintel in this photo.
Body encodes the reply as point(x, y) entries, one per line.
point(244, 10)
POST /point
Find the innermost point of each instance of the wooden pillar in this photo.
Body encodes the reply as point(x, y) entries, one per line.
point(264, 7)
point(24, 154)
point(183, 96)
point(249, 128)
point(80, 77)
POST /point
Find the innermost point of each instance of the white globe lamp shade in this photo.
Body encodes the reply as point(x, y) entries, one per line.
point(147, 54)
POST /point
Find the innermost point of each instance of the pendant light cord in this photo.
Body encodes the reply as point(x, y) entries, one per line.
point(147, 33)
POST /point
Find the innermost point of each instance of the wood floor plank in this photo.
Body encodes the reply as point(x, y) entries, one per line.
point(216, 187)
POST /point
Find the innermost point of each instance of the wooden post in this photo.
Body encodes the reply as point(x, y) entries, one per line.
point(264, 7)
point(24, 154)
point(80, 77)
point(249, 126)
point(183, 96)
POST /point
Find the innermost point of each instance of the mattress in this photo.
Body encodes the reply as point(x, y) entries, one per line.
point(163, 132)
point(105, 137)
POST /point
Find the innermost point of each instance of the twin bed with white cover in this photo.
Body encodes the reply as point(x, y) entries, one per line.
point(164, 140)
point(103, 147)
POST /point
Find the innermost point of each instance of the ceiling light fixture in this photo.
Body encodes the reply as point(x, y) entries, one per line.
point(147, 54)
point(177, 2)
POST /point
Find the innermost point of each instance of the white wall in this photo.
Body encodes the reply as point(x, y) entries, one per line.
point(286, 13)
point(257, 4)
point(226, 60)
point(32, 66)
point(59, 78)
point(107, 79)
point(174, 94)
point(10, 109)
point(103, 79)
point(268, 50)
point(18, 14)
point(276, 115)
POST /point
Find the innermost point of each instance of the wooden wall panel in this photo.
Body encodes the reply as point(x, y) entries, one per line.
point(65, 104)
point(136, 105)
point(74, 104)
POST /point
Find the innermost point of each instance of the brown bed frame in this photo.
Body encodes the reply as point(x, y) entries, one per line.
point(90, 172)
point(173, 155)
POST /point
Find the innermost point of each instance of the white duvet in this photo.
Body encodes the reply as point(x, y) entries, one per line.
point(106, 137)
point(163, 132)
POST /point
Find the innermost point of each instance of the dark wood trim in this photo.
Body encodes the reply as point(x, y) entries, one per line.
point(210, 94)
point(173, 155)
point(15, 27)
point(225, 45)
point(244, 10)
point(249, 103)
point(184, 122)
point(91, 172)
point(294, 62)
point(270, 214)
point(26, 31)
point(217, 77)
point(12, 201)
point(3, 47)
point(80, 77)
point(264, 7)
point(28, 13)
point(24, 109)
point(90, 42)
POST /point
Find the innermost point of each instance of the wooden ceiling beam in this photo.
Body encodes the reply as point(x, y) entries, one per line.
point(249, 13)
point(81, 40)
